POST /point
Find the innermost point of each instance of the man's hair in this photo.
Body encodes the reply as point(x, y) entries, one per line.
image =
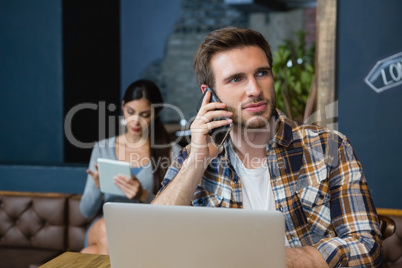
point(225, 39)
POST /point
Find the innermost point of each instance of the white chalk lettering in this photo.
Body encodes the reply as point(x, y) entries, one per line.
point(384, 78)
point(395, 70)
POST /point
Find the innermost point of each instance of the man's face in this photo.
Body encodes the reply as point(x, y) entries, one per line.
point(244, 81)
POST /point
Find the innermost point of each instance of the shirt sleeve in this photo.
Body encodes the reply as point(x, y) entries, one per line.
point(174, 167)
point(358, 240)
point(176, 148)
point(92, 198)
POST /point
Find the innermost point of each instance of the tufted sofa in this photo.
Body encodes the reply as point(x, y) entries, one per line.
point(393, 243)
point(36, 227)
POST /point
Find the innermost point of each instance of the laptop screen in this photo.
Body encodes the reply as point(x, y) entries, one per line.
point(143, 235)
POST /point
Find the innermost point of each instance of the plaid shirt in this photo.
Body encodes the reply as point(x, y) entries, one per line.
point(318, 185)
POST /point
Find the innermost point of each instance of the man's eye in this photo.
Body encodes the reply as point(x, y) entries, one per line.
point(262, 73)
point(234, 80)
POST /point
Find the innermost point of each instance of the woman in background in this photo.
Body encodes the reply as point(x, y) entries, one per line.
point(148, 164)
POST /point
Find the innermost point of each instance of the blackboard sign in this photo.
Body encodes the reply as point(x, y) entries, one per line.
point(386, 74)
point(369, 89)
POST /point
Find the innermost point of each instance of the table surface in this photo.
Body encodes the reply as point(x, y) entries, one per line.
point(78, 260)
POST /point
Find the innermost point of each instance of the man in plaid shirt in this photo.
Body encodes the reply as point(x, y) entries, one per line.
point(309, 173)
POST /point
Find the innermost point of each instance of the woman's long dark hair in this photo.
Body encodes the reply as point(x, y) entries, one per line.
point(160, 155)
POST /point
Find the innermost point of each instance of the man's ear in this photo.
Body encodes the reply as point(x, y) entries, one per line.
point(203, 88)
point(122, 104)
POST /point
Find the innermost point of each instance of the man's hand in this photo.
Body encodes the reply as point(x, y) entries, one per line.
point(308, 257)
point(181, 190)
point(202, 149)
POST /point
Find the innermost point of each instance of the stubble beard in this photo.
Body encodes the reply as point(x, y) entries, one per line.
point(258, 120)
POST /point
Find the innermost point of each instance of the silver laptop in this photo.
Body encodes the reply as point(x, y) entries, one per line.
point(143, 235)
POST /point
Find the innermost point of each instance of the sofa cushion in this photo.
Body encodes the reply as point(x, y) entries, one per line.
point(393, 245)
point(33, 221)
point(77, 225)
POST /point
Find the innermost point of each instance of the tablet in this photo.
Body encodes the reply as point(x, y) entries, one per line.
point(108, 169)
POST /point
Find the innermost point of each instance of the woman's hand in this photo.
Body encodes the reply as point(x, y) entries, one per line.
point(131, 187)
point(94, 175)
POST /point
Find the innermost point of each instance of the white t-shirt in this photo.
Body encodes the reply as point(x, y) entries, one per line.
point(255, 185)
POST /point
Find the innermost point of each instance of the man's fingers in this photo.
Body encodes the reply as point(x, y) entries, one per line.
point(206, 98)
point(213, 106)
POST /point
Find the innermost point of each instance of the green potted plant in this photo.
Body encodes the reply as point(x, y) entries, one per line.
point(293, 69)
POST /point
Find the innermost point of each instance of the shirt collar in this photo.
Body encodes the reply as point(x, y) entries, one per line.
point(284, 133)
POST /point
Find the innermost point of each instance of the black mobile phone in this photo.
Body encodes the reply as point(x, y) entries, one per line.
point(219, 134)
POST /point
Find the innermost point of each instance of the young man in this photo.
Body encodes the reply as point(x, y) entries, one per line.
point(309, 173)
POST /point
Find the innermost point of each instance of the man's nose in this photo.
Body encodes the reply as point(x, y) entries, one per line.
point(252, 88)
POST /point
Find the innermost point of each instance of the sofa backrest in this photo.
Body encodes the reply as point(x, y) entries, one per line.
point(37, 227)
point(30, 220)
point(393, 243)
point(77, 225)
